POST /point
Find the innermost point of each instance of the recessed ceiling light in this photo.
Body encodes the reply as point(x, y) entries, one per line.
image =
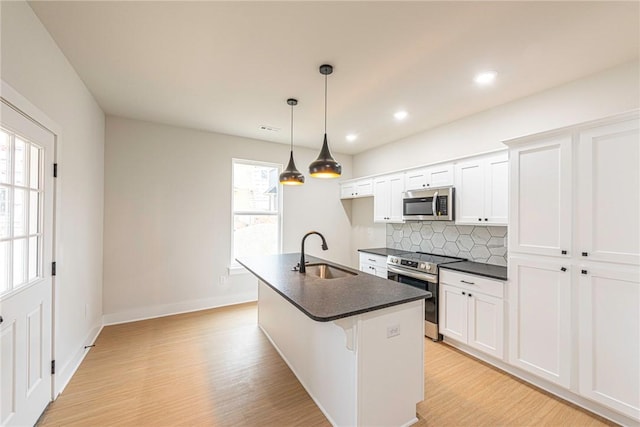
point(400, 115)
point(352, 137)
point(485, 78)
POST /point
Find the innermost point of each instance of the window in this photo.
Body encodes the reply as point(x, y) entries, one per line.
point(256, 209)
point(20, 211)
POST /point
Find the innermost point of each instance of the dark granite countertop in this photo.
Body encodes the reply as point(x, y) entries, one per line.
point(478, 268)
point(325, 300)
point(383, 251)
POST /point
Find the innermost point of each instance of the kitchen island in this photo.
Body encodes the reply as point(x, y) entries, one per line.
point(355, 341)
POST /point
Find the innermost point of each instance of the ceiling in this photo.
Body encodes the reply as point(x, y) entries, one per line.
point(229, 67)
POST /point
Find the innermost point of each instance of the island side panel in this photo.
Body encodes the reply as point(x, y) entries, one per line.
point(391, 365)
point(315, 351)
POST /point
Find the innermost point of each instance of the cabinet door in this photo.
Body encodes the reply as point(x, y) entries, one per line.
point(396, 188)
point(540, 207)
point(609, 199)
point(486, 324)
point(415, 179)
point(540, 318)
point(364, 188)
point(347, 191)
point(496, 196)
point(609, 357)
point(381, 204)
point(453, 318)
point(470, 190)
point(440, 175)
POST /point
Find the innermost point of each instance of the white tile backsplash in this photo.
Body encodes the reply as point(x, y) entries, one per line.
point(474, 242)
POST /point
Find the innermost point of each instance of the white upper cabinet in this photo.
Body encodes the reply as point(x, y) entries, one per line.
point(609, 201)
point(429, 177)
point(540, 212)
point(387, 198)
point(482, 190)
point(354, 189)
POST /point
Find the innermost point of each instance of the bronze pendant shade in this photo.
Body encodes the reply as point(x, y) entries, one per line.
point(291, 175)
point(325, 165)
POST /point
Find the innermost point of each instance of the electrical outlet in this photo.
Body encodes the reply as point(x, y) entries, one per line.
point(393, 331)
point(224, 280)
point(86, 310)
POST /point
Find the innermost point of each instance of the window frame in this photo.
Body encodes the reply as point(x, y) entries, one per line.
point(234, 266)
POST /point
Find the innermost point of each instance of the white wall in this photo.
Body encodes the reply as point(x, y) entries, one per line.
point(603, 94)
point(610, 92)
point(168, 217)
point(34, 66)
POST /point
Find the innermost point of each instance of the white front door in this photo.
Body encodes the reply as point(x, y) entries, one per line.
point(26, 246)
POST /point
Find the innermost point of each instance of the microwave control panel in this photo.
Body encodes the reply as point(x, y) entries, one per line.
point(443, 209)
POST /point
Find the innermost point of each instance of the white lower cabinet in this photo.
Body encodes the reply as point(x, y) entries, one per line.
point(609, 340)
point(373, 264)
point(472, 311)
point(540, 318)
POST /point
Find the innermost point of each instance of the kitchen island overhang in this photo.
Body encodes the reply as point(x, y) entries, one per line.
point(355, 343)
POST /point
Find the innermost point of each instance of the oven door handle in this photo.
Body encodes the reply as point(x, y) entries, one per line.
point(419, 276)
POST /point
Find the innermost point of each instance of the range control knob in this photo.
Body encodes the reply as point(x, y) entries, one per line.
point(422, 266)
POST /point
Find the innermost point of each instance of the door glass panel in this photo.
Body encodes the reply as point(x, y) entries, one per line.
point(19, 212)
point(4, 212)
point(5, 150)
point(33, 258)
point(19, 258)
point(34, 209)
point(4, 264)
point(34, 168)
point(21, 204)
point(20, 154)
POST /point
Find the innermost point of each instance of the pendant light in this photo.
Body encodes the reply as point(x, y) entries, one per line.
point(291, 175)
point(325, 166)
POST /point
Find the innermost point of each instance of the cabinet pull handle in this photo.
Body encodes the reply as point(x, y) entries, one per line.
point(468, 283)
point(486, 219)
point(372, 260)
point(470, 295)
point(1, 320)
point(585, 254)
point(584, 271)
point(563, 269)
point(564, 252)
point(479, 219)
point(464, 293)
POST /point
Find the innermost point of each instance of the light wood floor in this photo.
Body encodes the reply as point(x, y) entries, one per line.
point(215, 367)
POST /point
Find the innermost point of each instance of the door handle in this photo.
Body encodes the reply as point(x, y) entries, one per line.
point(434, 204)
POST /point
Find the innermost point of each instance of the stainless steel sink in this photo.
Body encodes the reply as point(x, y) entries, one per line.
point(326, 271)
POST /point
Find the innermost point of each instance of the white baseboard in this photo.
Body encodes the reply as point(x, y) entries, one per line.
point(64, 374)
point(151, 312)
point(554, 389)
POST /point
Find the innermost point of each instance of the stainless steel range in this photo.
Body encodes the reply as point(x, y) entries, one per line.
point(420, 269)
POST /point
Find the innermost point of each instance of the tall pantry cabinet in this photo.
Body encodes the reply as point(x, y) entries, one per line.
point(574, 259)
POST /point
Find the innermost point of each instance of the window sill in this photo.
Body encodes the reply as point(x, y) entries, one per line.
point(236, 270)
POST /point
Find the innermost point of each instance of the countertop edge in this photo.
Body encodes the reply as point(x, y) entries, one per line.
point(329, 318)
point(452, 267)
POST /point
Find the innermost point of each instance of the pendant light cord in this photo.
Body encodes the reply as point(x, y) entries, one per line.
point(325, 103)
point(292, 129)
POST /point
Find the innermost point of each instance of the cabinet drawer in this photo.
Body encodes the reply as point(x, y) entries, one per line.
point(377, 260)
point(472, 283)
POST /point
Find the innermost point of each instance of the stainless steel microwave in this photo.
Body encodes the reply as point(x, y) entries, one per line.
point(435, 204)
